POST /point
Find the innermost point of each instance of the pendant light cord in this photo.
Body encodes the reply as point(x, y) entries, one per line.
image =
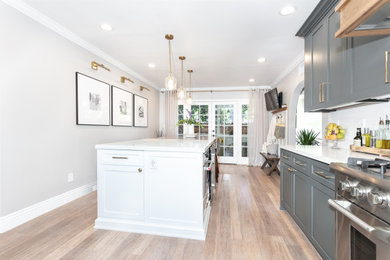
point(170, 57)
point(182, 74)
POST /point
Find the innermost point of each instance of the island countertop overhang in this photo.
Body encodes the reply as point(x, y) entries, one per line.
point(188, 145)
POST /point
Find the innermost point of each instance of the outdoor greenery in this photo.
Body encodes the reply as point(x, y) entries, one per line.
point(307, 137)
point(190, 120)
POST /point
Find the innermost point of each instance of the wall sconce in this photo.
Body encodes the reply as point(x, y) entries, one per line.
point(142, 88)
point(95, 65)
point(123, 79)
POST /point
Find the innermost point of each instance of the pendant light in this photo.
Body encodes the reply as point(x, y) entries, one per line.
point(170, 81)
point(189, 97)
point(181, 93)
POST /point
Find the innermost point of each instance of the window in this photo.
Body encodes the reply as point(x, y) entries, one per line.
point(224, 118)
point(201, 114)
point(307, 120)
point(244, 138)
point(180, 112)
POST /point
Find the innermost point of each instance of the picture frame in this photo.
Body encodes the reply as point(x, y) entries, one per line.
point(140, 111)
point(92, 101)
point(121, 107)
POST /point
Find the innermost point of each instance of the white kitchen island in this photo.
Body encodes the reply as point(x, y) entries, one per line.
point(154, 186)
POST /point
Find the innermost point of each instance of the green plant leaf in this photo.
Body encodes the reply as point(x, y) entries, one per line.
point(307, 137)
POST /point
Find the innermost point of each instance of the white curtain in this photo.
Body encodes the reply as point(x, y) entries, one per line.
point(257, 126)
point(170, 113)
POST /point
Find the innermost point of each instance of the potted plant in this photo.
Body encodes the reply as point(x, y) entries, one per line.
point(307, 137)
point(188, 125)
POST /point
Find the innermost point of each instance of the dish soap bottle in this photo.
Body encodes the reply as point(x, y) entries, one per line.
point(357, 141)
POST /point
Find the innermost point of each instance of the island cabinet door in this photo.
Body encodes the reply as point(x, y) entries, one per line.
point(174, 189)
point(121, 192)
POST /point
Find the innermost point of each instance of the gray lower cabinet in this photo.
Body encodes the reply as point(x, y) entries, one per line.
point(322, 231)
point(302, 201)
point(304, 193)
point(286, 181)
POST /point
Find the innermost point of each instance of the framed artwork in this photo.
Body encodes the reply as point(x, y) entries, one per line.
point(121, 107)
point(140, 111)
point(92, 101)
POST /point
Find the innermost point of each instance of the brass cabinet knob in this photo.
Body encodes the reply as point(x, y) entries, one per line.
point(139, 170)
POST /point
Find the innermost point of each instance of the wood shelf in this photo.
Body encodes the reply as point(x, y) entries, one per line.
point(371, 150)
point(279, 110)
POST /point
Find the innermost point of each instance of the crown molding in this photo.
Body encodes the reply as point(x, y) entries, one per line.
point(297, 61)
point(64, 32)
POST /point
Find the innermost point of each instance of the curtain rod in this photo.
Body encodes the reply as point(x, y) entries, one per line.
point(226, 90)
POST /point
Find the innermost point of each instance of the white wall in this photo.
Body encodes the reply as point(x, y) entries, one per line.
point(362, 116)
point(40, 141)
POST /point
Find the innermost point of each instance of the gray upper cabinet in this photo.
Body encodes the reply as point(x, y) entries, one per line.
point(341, 71)
point(319, 65)
point(337, 88)
point(368, 57)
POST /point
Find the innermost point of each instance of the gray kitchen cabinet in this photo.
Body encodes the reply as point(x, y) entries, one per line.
point(341, 71)
point(368, 56)
point(336, 89)
point(322, 233)
point(286, 182)
point(304, 193)
point(318, 65)
point(302, 201)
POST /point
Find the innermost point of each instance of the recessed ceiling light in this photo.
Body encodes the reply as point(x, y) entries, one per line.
point(106, 27)
point(261, 59)
point(287, 10)
point(151, 65)
point(252, 80)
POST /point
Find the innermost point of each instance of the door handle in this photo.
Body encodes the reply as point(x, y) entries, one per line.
point(387, 80)
point(291, 170)
point(120, 157)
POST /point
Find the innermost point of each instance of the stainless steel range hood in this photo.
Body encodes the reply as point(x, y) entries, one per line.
point(363, 18)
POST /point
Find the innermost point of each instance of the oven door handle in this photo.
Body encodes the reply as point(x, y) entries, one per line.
point(209, 166)
point(337, 206)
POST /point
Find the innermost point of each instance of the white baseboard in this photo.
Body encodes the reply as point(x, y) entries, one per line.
point(19, 217)
point(150, 228)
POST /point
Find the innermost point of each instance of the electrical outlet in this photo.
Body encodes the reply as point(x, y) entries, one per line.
point(70, 177)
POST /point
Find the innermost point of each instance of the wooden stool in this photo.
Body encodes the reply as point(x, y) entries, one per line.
point(272, 161)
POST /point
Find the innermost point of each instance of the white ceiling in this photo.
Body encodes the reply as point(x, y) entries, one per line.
point(222, 39)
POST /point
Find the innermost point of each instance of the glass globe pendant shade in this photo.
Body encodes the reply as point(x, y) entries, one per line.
point(170, 82)
point(189, 100)
point(181, 94)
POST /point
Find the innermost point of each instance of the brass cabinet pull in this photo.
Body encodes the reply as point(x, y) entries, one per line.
point(139, 170)
point(291, 170)
point(286, 157)
point(387, 80)
point(320, 93)
point(323, 92)
point(300, 163)
point(120, 157)
point(323, 175)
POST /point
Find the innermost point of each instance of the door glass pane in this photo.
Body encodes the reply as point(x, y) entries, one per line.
point(224, 118)
point(180, 112)
point(244, 128)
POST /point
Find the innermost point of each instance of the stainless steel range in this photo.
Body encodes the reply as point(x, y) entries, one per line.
point(362, 209)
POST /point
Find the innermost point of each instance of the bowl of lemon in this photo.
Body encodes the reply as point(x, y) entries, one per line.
point(334, 133)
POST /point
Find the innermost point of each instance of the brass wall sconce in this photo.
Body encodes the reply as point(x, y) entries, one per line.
point(123, 79)
point(142, 88)
point(95, 65)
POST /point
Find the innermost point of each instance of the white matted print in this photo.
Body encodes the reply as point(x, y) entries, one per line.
point(122, 107)
point(93, 101)
point(140, 111)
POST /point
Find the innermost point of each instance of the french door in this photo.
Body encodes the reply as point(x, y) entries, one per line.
point(224, 120)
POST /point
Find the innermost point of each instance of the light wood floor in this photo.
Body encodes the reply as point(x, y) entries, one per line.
point(245, 223)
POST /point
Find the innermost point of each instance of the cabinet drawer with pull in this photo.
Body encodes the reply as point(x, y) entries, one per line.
point(131, 158)
point(285, 156)
point(301, 163)
point(322, 174)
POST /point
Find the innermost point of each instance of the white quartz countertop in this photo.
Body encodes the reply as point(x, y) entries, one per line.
point(190, 145)
point(326, 154)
